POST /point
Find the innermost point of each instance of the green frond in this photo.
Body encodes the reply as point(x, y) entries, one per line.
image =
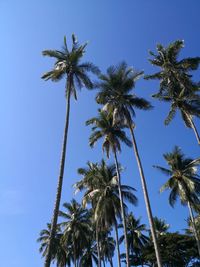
point(171, 114)
point(173, 196)
point(88, 66)
point(189, 64)
point(95, 136)
point(54, 75)
point(157, 75)
point(164, 187)
point(163, 170)
point(174, 49)
point(141, 103)
point(54, 53)
point(186, 119)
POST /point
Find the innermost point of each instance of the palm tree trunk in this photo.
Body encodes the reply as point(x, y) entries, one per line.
point(60, 180)
point(98, 248)
point(122, 209)
point(104, 263)
point(195, 130)
point(194, 227)
point(117, 244)
point(146, 198)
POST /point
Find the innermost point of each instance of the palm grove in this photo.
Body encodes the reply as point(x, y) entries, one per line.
point(88, 233)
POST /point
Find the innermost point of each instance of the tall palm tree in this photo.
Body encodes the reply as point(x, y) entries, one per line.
point(90, 178)
point(68, 66)
point(102, 191)
point(76, 228)
point(59, 254)
point(176, 85)
point(136, 238)
point(115, 94)
point(183, 182)
point(112, 135)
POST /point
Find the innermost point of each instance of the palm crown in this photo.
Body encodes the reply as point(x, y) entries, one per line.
point(68, 63)
point(112, 133)
point(183, 178)
point(76, 227)
point(176, 85)
point(59, 253)
point(136, 238)
point(115, 92)
point(173, 71)
point(102, 191)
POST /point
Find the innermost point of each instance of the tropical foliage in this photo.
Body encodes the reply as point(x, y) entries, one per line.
point(104, 224)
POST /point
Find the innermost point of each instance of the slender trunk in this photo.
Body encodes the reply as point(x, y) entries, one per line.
point(122, 209)
point(104, 263)
point(98, 248)
point(60, 182)
point(117, 244)
point(194, 227)
point(146, 198)
point(195, 130)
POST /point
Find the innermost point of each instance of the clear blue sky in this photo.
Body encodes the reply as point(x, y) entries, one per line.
point(32, 111)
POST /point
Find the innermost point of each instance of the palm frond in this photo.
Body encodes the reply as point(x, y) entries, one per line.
point(171, 114)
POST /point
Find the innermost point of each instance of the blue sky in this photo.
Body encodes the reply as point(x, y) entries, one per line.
point(32, 111)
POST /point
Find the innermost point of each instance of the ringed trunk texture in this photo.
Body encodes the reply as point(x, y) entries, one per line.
point(146, 198)
point(194, 227)
point(60, 182)
point(195, 131)
point(117, 244)
point(122, 209)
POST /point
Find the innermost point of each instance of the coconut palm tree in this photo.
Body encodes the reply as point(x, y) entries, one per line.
point(100, 183)
point(59, 254)
point(161, 226)
point(176, 85)
point(136, 238)
point(90, 178)
point(112, 135)
point(67, 65)
point(76, 228)
point(116, 97)
point(183, 182)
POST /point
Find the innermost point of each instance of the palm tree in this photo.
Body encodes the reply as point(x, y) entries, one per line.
point(176, 85)
point(189, 230)
point(67, 65)
point(112, 135)
point(183, 182)
point(100, 182)
point(59, 253)
point(76, 228)
point(115, 94)
point(161, 226)
point(136, 239)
